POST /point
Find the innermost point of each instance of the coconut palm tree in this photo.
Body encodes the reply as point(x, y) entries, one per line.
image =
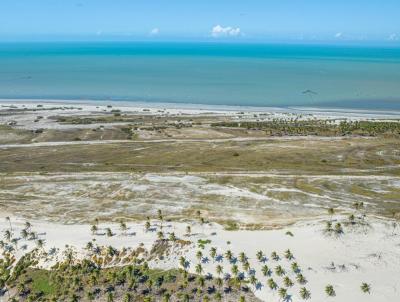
point(338, 228)
point(182, 262)
point(213, 252)
point(8, 219)
point(301, 279)
point(330, 291)
point(7, 235)
point(110, 297)
point(160, 235)
point(366, 288)
point(282, 292)
point(127, 297)
point(40, 243)
point(295, 267)
point(328, 227)
point(109, 233)
point(188, 230)
point(288, 254)
point(122, 226)
point(166, 297)
point(147, 225)
point(219, 269)
point(272, 284)
point(242, 299)
point(235, 270)
point(199, 255)
point(305, 294)
point(199, 268)
point(260, 256)
point(265, 270)
point(218, 296)
point(228, 255)
point(246, 266)
point(253, 280)
point(28, 225)
point(279, 270)
point(274, 256)
point(288, 282)
point(172, 237)
point(219, 282)
point(242, 257)
point(24, 234)
point(94, 229)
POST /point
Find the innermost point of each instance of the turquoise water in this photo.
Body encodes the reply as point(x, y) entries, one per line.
point(203, 73)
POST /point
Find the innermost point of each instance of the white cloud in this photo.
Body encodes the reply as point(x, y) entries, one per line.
point(155, 31)
point(219, 31)
point(393, 37)
point(338, 35)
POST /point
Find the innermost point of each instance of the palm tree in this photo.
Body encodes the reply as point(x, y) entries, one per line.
point(110, 297)
point(219, 282)
point(122, 226)
point(109, 233)
point(279, 270)
point(24, 234)
point(9, 221)
point(330, 291)
point(235, 270)
point(7, 235)
point(28, 225)
point(213, 252)
point(199, 255)
point(295, 267)
point(242, 299)
point(253, 280)
point(272, 284)
point(182, 262)
point(40, 243)
point(288, 282)
point(147, 225)
point(188, 230)
point(172, 237)
point(199, 269)
point(288, 254)
point(274, 256)
point(127, 297)
point(338, 228)
point(265, 270)
point(246, 266)
point(282, 292)
point(301, 279)
point(229, 255)
point(218, 296)
point(219, 269)
point(366, 288)
point(260, 255)
point(328, 227)
point(167, 297)
point(94, 229)
point(201, 281)
point(305, 294)
point(242, 257)
point(160, 235)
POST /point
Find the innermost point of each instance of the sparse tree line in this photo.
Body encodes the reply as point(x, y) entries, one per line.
point(278, 127)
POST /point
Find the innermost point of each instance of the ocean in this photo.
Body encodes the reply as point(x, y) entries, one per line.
point(267, 75)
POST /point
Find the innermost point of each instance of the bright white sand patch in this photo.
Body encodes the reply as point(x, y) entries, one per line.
point(372, 256)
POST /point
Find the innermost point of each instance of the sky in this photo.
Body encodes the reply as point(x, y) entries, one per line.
point(238, 20)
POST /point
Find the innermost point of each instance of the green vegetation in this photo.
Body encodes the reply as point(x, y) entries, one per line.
point(280, 127)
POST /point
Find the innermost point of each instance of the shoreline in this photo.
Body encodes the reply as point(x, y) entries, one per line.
point(192, 108)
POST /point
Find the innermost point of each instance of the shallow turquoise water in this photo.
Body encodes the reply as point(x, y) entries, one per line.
point(205, 73)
